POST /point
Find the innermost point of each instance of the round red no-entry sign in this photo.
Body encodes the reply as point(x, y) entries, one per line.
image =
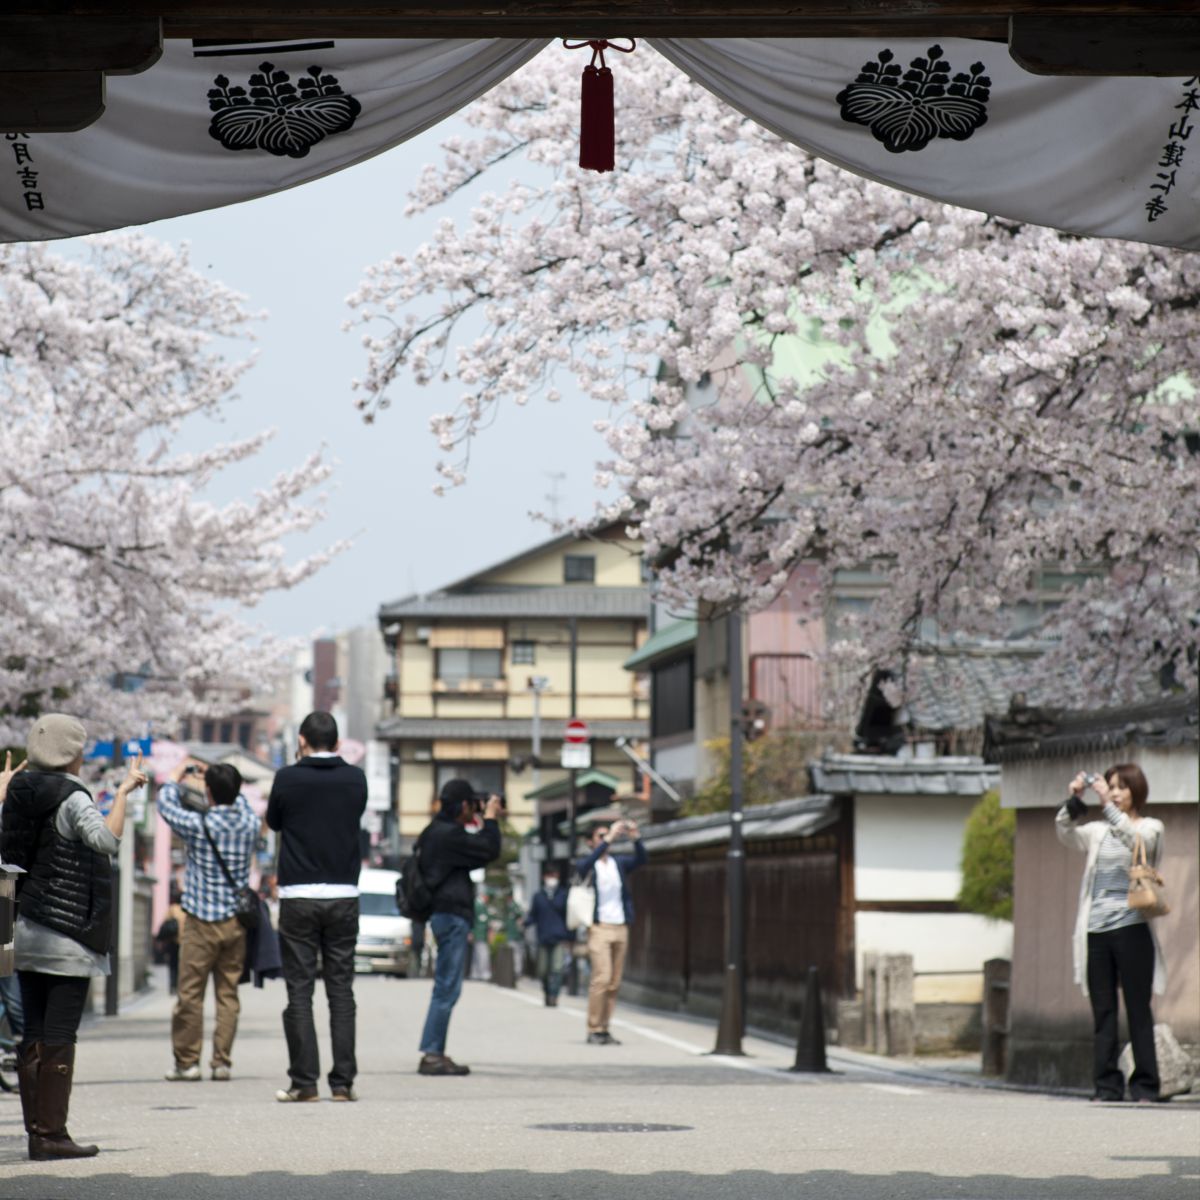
point(577, 732)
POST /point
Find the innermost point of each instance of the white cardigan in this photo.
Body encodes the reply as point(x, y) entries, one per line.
point(1088, 838)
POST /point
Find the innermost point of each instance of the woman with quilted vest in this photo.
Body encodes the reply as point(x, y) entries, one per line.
point(51, 827)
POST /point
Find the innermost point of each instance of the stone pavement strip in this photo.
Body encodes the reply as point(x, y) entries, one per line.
point(688, 1125)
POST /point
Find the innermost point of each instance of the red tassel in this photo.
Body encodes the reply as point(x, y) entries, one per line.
point(597, 126)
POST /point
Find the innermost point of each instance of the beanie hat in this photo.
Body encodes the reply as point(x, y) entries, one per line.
point(54, 742)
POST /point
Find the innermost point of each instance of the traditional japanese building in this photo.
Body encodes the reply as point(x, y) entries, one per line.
point(482, 671)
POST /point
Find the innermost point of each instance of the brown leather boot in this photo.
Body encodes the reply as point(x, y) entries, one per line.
point(28, 1056)
point(56, 1069)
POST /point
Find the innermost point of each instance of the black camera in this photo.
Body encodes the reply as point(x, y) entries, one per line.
point(480, 799)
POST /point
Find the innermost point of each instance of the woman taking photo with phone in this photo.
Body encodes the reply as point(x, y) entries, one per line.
point(1114, 943)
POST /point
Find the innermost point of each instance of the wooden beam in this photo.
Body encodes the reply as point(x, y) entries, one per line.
point(50, 101)
point(1106, 45)
point(116, 45)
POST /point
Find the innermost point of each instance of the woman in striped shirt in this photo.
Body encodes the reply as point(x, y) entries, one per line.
point(1114, 943)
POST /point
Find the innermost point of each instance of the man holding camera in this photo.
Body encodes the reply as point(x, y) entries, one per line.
point(213, 941)
point(316, 807)
point(448, 854)
point(608, 938)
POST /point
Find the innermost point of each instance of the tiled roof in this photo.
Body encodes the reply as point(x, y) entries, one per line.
point(565, 600)
point(662, 644)
point(785, 818)
point(497, 729)
point(858, 774)
point(1047, 733)
point(956, 690)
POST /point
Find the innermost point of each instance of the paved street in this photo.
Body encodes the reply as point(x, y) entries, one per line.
point(738, 1128)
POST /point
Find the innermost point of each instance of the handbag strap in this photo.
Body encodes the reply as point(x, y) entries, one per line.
point(216, 853)
point(1139, 851)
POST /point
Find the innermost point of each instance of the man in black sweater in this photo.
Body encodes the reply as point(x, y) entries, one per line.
point(448, 854)
point(316, 807)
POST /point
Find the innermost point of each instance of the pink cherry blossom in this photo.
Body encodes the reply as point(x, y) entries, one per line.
point(113, 563)
point(797, 364)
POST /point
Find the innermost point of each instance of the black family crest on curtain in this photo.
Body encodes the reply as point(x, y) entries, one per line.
point(279, 116)
point(906, 110)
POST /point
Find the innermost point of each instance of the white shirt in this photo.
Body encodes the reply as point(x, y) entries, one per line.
point(610, 905)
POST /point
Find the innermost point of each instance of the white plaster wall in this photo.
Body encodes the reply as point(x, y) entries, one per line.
point(1042, 783)
point(908, 847)
point(677, 763)
point(937, 941)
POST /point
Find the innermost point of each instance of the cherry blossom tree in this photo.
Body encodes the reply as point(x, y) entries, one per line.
point(116, 574)
point(986, 406)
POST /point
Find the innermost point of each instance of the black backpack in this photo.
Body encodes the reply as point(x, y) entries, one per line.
point(414, 896)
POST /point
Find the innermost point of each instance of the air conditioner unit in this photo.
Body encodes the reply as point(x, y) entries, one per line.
point(424, 632)
point(422, 756)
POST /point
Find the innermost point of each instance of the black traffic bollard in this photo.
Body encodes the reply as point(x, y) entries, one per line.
point(810, 1042)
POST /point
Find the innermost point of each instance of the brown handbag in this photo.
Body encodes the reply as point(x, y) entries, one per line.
point(1145, 885)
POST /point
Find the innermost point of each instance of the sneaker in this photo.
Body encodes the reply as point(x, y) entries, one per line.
point(343, 1094)
point(597, 1039)
point(221, 1074)
point(439, 1064)
point(296, 1095)
point(184, 1074)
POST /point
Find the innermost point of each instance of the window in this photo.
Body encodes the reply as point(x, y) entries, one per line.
point(523, 654)
point(377, 904)
point(484, 777)
point(185, 730)
point(227, 731)
point(672, 710)
point(208, 732)
point(579, 568)
point(245, 729)
point(457, 666)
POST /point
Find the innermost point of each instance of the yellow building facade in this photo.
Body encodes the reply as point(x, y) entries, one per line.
point(483, 666)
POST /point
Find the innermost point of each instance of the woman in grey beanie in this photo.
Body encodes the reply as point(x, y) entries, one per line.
point(51, 827)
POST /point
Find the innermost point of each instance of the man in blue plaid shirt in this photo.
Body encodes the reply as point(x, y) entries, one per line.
point(213, 941)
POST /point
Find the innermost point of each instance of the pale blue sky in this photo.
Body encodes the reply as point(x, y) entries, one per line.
point(298, 254)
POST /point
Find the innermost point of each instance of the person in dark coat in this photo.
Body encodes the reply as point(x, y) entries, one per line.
point(548, 916)
point(448, 854)
point(316, 807)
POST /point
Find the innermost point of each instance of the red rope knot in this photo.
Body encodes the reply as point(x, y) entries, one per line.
point(597, 127)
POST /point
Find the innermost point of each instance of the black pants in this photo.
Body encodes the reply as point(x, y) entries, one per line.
point(1125, 955)
point(328, 930)
point(53, 1006)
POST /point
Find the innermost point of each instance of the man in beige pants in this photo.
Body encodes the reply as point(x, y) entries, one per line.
point(608, 937)
point(220, 840)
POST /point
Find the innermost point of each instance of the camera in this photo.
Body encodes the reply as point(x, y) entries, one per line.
point(480, 799)
point(1089, 779)
point(191, 769)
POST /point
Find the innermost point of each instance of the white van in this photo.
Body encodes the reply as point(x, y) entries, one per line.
point(384, 944)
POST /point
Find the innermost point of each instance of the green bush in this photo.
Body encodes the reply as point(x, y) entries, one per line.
point(987, 859)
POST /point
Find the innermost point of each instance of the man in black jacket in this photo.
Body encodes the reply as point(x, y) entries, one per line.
point(448, 854)
point(316, 806)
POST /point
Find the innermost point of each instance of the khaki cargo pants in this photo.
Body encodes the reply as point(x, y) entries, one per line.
point(606, 953)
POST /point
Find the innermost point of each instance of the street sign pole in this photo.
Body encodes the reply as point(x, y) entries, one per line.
point(573, 969)
point(729, 1032)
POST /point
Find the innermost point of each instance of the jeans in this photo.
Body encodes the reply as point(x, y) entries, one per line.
point(53, 1006)
point(11, 1006)
point(550, 968)
point(1128, 955)
point(328, 930)
point(451, 933)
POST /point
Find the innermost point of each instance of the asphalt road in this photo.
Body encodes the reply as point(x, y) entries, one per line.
point(738, 1129)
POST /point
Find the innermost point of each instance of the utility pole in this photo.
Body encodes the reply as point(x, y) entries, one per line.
point(729, 1032)
point(573, 976)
